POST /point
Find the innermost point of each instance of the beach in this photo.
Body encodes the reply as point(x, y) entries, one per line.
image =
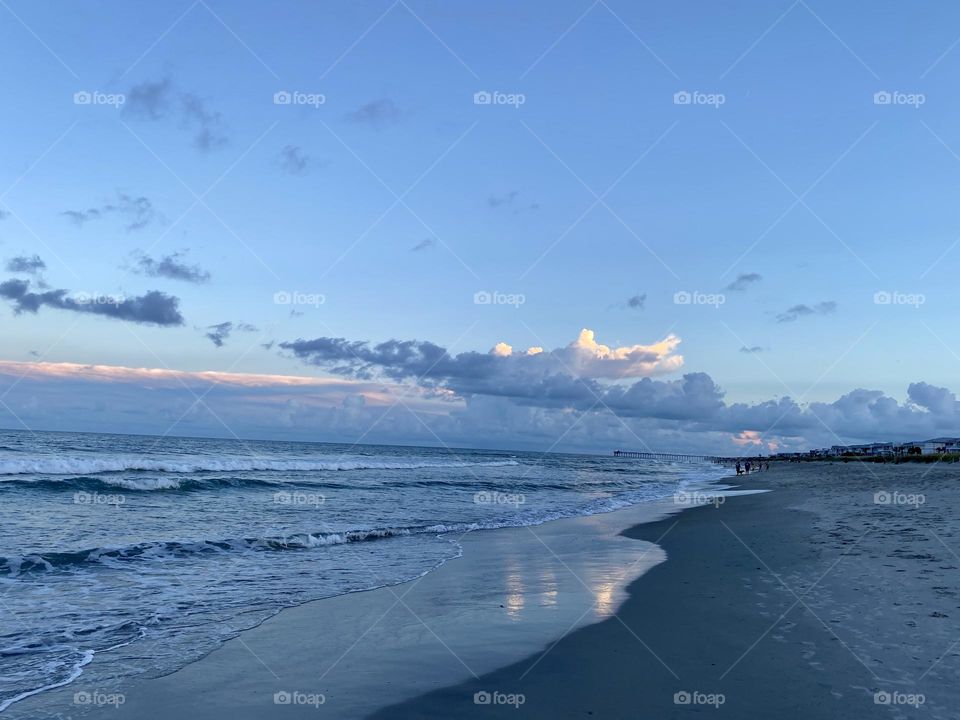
point(831, 595)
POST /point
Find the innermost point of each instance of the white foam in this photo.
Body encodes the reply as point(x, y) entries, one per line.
point(92, 466)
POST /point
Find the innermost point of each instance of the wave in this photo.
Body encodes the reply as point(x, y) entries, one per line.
point(94, 466)
point(167, 550)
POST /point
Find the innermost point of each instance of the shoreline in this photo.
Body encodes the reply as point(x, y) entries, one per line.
point(526, 569)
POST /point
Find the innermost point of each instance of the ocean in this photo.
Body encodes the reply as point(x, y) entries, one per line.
point(153, 551)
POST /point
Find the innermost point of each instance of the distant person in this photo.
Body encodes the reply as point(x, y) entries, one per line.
point(748, 467)
point(739, 469)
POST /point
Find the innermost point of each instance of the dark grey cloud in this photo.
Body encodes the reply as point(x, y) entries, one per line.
point(425, 244)
point(378, 114)
point(751, 350)
point(744, 281)
point(30, 265)
point(155, 100)
point(172, 267)
point(637, 302)
point(136, 212)
point(219, 333)
point(797, 311)
point(153, 308)
point(294, 161)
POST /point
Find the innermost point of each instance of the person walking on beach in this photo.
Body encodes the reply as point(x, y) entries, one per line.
point(748, 467)
point(739, 469)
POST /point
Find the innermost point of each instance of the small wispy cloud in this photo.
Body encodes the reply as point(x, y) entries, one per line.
point(797, 311)
point(423, 245)
point(637, 302)
point(171, 267)
point(377, 114)
point(751, 350)
point(294, 161)
point(136, 212)
point(744, 281)
point(156, 100)
point(30, 265)
point(219, 333)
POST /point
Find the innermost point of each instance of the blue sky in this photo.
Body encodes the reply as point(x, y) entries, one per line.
point(598, 188)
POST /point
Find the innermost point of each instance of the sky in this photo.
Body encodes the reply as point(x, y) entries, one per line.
point(558, 225)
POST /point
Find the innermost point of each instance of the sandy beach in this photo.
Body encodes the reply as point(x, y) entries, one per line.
point(831, 596)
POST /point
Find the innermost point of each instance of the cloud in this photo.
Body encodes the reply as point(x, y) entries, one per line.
point(500, 372)
point(294, 161)
point(4, 214)
point(797, 311)
point(219, 333)
point(509, 199)
point(424, 245)
point(25, 264)
point(150, 100)
point(155, 100)
point(153, 308)
point(172, 267)
point(754, 349)
point(377, 114)
point(637, 302)
point(743, 282)
point(207, 124)
point(136, 212)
